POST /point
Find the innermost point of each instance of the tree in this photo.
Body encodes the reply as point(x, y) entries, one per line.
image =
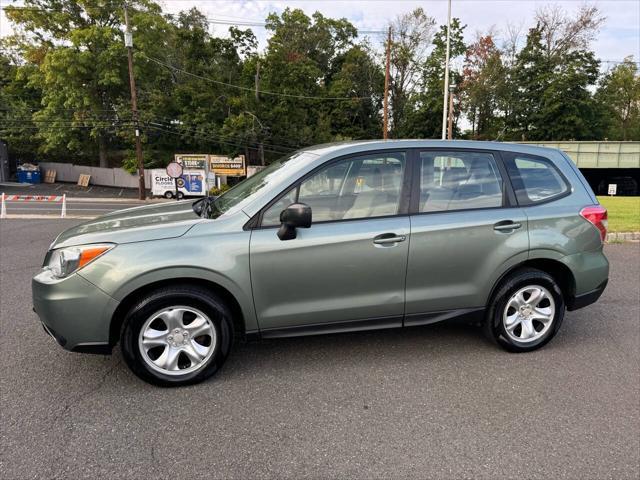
point(356, 75)
point(18, 101)
point(410, 40)
point(196, 99)
point(483, 87)
point(560, 33)
point(552, 76)
point(75, 56)
point(305, 59)
point(618, 96)
point(424, 118)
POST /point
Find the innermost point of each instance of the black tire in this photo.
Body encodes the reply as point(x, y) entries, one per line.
point(190, 296)
point(180, 195)
point(494, 326)
point(168, 194)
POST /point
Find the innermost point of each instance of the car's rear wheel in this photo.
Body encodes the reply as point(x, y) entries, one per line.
point(177, 336)
point(526, 312)
point(168, 194)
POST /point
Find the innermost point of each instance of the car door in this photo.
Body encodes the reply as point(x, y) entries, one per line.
point(347, 271)
point(466, 230)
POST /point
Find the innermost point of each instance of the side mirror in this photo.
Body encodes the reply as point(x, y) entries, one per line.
point(296, 215)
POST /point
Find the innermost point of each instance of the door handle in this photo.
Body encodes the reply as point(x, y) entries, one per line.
point(387, 238)
point(506, 226)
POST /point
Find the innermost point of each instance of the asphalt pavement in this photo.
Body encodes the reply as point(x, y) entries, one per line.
point(81, 202)
point(429, 402)
point(87, 209)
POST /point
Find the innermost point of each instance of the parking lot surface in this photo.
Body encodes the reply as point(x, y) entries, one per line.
point(427, 402)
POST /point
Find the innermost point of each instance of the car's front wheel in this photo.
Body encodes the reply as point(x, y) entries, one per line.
point(177, 336)
point(526, 311)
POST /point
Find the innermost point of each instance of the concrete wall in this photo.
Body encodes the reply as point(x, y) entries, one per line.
point(109, 177)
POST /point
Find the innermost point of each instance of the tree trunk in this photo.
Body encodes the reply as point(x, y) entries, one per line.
point(102, 151)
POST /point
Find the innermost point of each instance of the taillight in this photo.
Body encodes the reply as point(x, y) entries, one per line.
point(597, 215)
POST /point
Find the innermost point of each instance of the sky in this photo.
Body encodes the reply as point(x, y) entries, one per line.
point(619, 37)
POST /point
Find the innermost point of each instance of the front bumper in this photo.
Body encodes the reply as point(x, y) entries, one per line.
point(73, 311)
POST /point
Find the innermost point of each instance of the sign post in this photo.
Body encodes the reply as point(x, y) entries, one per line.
point(174, 170)
point(613, 188)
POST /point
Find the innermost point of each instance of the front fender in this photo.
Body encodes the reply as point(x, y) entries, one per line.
point(222, 259)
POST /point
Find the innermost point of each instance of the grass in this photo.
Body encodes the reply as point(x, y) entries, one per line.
point(624, 213)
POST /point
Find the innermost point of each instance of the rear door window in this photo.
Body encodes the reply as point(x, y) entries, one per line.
point(459, 180)
point(535, 179)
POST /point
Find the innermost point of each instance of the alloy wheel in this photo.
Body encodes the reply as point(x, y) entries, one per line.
point(177, 340)
point(529, 314)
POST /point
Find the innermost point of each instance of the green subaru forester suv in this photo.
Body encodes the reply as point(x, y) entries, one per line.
point(334, 238)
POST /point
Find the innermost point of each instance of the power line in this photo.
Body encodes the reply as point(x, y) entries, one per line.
point(213, 140)
point(102, 122)
point(239, 87)
point(194, 130)
point(285, 143)
point(257, 23)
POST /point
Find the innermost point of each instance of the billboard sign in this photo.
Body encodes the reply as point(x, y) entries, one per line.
point(230, 167)
point(192, 161)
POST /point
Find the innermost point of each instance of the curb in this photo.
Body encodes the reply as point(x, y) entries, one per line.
point(623, 237)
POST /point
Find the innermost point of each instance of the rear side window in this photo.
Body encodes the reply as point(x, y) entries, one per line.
point(458, 180)
point(535, 179)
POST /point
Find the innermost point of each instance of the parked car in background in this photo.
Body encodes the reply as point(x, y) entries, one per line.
point(333, 238)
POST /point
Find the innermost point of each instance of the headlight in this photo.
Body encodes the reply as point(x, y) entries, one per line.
point(64, 261)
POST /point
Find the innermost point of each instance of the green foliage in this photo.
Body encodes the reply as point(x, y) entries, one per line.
point(483, 88)
point(554, 101)
point(65, 94)
point(619, 100)
point(215, 191)
point(425, 117)
point(411, 35)
point(18, 101)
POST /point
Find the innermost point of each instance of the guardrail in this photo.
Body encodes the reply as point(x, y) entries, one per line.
point(33, 198)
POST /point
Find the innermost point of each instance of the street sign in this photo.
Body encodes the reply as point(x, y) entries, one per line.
point(230, 167)
point(613, 188)
point(174, 170)
point(196, 161)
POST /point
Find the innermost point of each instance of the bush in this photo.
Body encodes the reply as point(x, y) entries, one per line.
point(215, 191)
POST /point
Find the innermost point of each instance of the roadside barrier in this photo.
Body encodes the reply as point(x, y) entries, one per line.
point(33, 198)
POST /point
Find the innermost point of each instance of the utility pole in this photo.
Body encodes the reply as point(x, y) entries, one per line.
point(385, 121)
point(446, 76)
point(451, 88)
point(128, 42)
point(260, 145)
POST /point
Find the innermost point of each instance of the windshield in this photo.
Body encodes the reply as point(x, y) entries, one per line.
point(251, 185)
